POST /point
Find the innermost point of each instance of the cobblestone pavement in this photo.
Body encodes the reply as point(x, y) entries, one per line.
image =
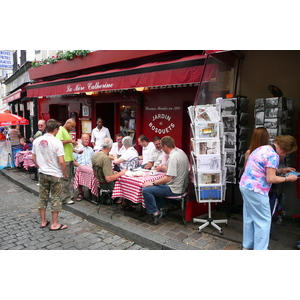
point(20, 227)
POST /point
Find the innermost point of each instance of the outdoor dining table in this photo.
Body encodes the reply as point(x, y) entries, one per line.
point(125, 186)
point(85, 176)
point(131, 187)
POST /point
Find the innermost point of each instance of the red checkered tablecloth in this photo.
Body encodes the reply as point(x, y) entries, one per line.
point(85, 176)
point(24, 157)
point(131, 187)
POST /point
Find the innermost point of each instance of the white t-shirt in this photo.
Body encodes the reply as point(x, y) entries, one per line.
point(178, 168)
point(98, 136)
point(146, 152)
point(115, 150)
point(156, 156)
point(129, 154)
point(47, 148)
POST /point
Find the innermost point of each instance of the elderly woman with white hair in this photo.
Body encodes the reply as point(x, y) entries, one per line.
point(128, 155)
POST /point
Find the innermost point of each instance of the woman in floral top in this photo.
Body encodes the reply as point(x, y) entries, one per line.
point(255, 183)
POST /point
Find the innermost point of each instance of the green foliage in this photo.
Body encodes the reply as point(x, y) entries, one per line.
point(68, 55)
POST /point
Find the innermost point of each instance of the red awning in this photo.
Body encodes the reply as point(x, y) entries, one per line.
point(182, 71)
point(16, 95)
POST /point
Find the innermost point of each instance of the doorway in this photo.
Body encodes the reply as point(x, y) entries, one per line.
point(59, 113)
point(105, 111)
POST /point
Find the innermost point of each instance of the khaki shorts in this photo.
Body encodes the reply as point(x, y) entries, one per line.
point(50, 184)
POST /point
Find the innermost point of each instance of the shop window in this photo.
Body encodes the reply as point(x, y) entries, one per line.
point(128, 120)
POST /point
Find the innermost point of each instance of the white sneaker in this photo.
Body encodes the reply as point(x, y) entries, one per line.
point(70, 202)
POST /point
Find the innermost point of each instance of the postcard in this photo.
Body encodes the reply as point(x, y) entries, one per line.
point(211, 193)
point(229, 123)
point(230, 140)
point(203, 147)
point(230, 158)
point(293, 173)
point(228, 107)
point(209, 178)
point(206, 130)
point(209, 162)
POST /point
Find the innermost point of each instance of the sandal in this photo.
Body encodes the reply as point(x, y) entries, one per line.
point(79, 197)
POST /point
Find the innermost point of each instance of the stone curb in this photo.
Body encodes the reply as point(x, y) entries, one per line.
point(139, 235)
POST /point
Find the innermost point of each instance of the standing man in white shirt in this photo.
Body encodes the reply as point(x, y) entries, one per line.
point(48, 156)
point(98, 134)
point(146, 149)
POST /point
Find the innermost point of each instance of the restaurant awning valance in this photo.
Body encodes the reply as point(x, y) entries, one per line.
point(14, 96)
point(182, 71)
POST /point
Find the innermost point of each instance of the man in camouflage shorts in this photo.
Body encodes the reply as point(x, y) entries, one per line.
point(48, 156)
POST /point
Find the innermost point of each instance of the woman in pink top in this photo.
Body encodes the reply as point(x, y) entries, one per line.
point(255, 183)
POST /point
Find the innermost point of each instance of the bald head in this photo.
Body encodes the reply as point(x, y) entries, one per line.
point(70, 124)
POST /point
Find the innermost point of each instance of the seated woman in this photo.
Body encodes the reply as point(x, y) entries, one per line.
point(129, 154)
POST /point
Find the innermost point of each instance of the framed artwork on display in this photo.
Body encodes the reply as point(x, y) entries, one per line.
point(85, 111)
point(86, 127)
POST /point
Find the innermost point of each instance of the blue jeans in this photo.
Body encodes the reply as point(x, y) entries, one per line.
point(154, 197)
point(256, 220)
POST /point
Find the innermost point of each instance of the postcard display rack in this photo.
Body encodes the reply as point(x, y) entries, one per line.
point(275, 114)
point(208, 158)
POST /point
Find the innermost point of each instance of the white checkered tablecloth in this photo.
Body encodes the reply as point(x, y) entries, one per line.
point(131, 187)
point(85, 176)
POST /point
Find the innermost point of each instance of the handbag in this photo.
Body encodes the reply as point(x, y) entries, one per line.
point(105, 198)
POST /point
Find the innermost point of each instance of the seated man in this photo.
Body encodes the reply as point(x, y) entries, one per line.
point(83, 158)
point(102, 166)
point(118, 147)
point(129, 154)
point(173, 184)
point(146, 149)
point(164, 159)
point(155, 158)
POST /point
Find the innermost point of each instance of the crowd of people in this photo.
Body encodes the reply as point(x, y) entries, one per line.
point(57, 155)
